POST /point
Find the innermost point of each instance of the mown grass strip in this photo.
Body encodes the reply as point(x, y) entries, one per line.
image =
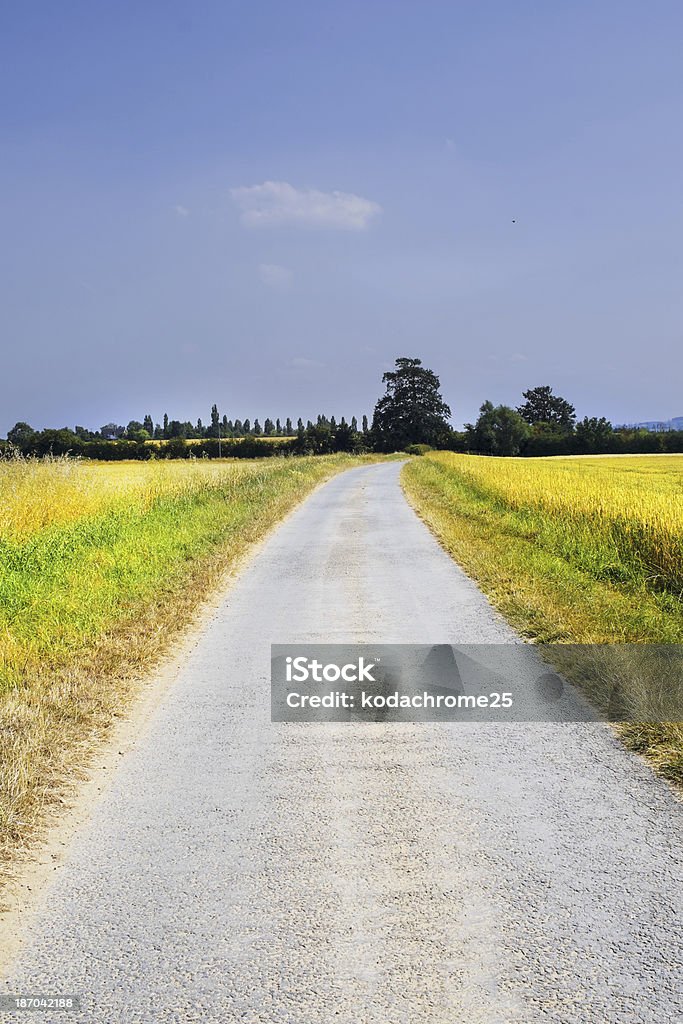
point(556, 571)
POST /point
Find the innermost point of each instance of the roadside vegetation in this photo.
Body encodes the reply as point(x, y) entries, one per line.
point(571, 550)
point(101, 567)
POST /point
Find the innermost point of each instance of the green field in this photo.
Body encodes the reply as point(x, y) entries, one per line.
point(101, 566)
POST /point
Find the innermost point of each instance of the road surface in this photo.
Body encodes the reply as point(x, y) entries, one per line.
point(238, 870)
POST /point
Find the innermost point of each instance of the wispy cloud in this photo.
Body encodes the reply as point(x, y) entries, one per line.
point(182, 211)
point(302, 363)
point(276, 277)
point(277, 203)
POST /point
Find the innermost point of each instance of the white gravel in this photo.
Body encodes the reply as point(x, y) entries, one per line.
point(238, 870)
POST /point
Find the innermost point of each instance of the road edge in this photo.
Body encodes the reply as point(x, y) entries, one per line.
point(29, 877)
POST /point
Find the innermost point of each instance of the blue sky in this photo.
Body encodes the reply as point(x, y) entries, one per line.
point(264, 204)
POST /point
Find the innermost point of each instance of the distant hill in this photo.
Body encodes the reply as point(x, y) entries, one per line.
point(673, 424)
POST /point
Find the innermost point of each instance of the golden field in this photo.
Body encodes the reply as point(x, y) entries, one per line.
point(577, 549)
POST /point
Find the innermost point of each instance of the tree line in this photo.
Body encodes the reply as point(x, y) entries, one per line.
point(147, 430)
point(546, 424)
point(411, 415)
point(177, 439)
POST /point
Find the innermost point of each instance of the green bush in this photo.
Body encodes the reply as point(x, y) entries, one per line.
point(418, 449)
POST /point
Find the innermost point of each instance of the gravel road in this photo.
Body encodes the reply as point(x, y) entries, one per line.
point(436, 873)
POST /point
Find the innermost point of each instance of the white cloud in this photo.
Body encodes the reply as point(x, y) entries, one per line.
point(182, 211)
point(276, 277)
point(276, 203)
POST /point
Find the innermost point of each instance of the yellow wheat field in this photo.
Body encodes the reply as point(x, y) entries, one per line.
point(584, 550)
point(39, 493)
point(625, 512)
point(646, 488)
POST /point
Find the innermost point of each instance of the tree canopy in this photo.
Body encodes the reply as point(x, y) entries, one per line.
point(21, 434)
point(542, 406)
point(412, 410)
point(499, 430)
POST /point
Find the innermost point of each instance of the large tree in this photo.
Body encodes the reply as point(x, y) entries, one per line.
point(22, 434)
point(499, 430)
point(542, 406)
point(412, 410)
point(594, 435)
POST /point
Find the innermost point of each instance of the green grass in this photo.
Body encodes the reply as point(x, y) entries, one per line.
point(101, 566)
point(64, 587)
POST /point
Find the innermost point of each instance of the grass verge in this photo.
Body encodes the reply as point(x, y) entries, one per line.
point(101, 567)
point(570, 550)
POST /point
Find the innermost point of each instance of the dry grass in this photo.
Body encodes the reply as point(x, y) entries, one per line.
point(101, 567)
point(572, 550)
